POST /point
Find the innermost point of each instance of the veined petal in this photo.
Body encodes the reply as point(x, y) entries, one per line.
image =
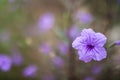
point(79, 42)
point(99, 53)
point(100, 39)
point(89, 34)
point(85, 55)
point(86, 59)
point(86, 32)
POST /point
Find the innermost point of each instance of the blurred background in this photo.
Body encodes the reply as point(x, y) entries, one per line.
point(36, 39)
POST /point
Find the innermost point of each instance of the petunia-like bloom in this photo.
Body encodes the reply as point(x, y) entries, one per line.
point(5, 63)
point(90, 45)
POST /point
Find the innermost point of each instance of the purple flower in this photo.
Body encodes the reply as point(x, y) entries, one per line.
point(5, 63)
point(30, 71)
point(90, 45)
point(46, 22)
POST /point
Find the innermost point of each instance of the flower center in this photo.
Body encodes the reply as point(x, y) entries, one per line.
point(90, 46)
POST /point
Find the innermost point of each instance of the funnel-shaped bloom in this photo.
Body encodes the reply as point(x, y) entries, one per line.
point(90, 45)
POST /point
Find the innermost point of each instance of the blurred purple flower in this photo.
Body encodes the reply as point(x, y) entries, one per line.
point(45, 48)
point(89, 78)
point(90, 45)
point(5, 63)
point(74, 32)
point(58, 62)
point(96, 69)
point(117, 42)
point(48, 77)
point(46, 22)
point(84, 17)
point(63, 48)
point(30, 71)
point(17, 59)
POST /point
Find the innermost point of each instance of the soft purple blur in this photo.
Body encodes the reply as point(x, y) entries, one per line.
point(63, 47)
point(17, 59)
point(30, 71)
point(5, 62)
point(74, 32)
point(46, 21)
point(58, 62)
point(84, 17)
point(89, 78)
point(117, 42)
point(45, 48)
point(96, 69)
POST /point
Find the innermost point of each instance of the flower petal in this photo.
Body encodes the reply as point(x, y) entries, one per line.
point(99, 53)
point(89, 34)
point(86, 32)
point(85, 55)
point(86, 59)
point(79, 42)
point(100, 39)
